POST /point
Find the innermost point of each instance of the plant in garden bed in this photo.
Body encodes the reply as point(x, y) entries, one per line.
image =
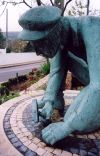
point(45, 68)
point(11, 88)
point(6, 94)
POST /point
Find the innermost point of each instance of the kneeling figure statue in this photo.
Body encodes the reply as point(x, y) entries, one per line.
point(72, 43)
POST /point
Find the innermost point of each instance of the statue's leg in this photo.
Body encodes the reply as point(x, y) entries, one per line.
point(79, 69)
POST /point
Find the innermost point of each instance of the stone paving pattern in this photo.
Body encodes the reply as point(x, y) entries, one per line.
point(19, 135)
point(25, 136)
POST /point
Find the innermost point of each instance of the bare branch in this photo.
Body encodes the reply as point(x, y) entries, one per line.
point(65, 7)
point(38, 2)
point(4, 9)
point(88, 4)
point(13, 3)
point(26, 4)
point(52, 2)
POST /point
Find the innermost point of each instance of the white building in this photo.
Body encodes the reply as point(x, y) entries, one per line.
point(2, 51)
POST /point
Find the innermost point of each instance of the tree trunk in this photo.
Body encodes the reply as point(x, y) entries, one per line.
point(59, 3)
point(88, 4)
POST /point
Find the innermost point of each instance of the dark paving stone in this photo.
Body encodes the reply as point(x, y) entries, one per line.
point(15, 139)
point(7, 126)
point(17, 144)
point(10, 136)
point(6, 119)
point(30, 153)
point(83, 153)
point(9, 112)
point(23, 149)
point(8, 130)
point(92, 154)
point(9, 133)
point(82, 146)
point(74, 150)
point(97, 142)
point(94, 150)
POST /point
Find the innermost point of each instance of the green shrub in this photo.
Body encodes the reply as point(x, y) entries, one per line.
point(45, 68)
point(4, 90)
point(5, 97)
point(22, 78)
point(13, 81)
point(8, 50)
point(6, 84)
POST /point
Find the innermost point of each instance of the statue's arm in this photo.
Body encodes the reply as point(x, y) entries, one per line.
point(79, 68)
point(57, 71)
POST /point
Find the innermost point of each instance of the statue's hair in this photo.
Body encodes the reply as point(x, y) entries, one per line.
point(54, 37)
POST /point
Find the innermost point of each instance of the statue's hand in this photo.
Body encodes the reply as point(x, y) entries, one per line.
point(41, 104)
point(47, 110)
point(55, 132)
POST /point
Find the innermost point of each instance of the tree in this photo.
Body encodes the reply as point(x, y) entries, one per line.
point(2, 39)
point(1, 35)
point(78, 9)
point(31, 3)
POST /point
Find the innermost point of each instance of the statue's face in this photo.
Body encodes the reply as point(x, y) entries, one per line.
point(49, 45)
point(45, 47)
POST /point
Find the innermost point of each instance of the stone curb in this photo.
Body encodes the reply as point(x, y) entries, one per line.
point(20, 64)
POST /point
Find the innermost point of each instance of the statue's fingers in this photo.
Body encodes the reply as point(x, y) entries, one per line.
point(42, 114)
point(49, 139)
point(45, 134)
point(48, 115)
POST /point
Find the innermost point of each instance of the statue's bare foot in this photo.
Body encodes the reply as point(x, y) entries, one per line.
point(55, 132)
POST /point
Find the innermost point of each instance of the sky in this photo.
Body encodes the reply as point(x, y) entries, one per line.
point(14, 12)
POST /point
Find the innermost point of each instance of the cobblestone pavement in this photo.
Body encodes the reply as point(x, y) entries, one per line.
point(25, 136)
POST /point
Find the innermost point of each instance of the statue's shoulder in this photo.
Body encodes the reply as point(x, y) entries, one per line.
point(90, 20)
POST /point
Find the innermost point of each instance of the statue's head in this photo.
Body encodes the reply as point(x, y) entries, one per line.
point(42, 27)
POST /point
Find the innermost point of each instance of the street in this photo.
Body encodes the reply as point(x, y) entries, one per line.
point(10, 72)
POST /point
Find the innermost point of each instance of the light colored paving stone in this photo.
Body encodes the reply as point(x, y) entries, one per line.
point(36, 140)
point(49, 149)
point(24, 130)
point(28, 135)
point(41, 151)
point(16, 130)
point(25, 139)
point(41, 144)
point(20, 124)
point(27, 142)
point(97, 135)
point(33, 147)
point(21, 135)
point(91, 136)
point(64, 153)
point(48, 154)
point(57, 152)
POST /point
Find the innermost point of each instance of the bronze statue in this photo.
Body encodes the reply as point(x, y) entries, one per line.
point(72, 43)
